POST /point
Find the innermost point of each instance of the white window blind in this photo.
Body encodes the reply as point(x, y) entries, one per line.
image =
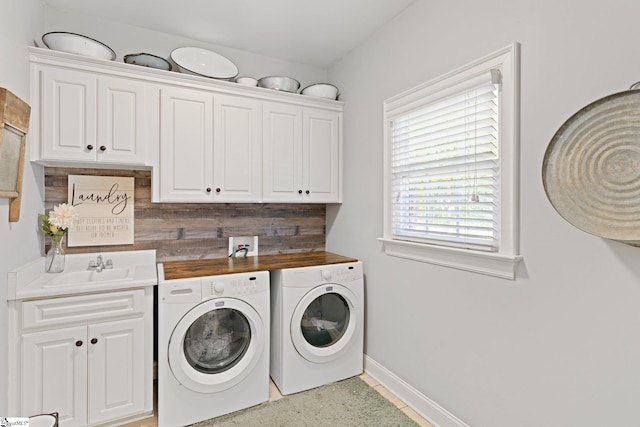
point(445, 174)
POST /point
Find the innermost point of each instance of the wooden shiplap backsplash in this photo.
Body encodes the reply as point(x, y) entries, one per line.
point(192, 231)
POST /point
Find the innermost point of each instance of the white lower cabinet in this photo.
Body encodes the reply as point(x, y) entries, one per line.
point(54, 372)
point(90, 359)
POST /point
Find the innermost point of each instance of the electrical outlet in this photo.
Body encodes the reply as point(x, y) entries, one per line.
point(250, 243)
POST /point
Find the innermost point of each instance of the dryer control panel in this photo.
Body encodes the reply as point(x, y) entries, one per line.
point(302, 277)
point(234, 285)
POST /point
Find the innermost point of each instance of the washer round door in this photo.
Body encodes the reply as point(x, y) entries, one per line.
point(216, 345)
point(326, 322)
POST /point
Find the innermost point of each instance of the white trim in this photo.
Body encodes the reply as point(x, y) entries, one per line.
point(504, 262)
point(489, 263)
point(427, 408)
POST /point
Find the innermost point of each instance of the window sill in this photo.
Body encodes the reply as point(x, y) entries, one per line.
point(489, 263)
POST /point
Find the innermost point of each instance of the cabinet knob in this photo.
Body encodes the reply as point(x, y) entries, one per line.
point(103, 148)
point(94, 340)
point(208, 189)
point(79, 343)
point(307, 192)
point(299, 191)
point(218, 190)
point(89, 147)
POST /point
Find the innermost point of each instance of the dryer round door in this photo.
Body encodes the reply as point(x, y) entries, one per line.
point(216, 345)
point(326, 322)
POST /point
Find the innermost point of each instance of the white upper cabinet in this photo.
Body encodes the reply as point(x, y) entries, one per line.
point(186, 145)
point(301, 154)
point(90, 118)
point(321, 155)
point(123, 109)
point(210, 147)
point(237, 149)
point(68, 111)
point(282, 180)
point(205, 140)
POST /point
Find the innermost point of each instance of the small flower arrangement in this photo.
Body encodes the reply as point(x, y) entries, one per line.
point(57, 223)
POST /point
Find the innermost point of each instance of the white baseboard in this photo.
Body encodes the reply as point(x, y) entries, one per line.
point(417, 401)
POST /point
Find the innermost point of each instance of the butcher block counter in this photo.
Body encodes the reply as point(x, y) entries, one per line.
point(212, 267)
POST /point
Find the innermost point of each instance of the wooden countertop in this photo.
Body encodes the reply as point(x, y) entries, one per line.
point(212, 267)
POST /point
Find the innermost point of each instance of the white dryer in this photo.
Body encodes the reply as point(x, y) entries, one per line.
point(213, 346)
point(317, 317)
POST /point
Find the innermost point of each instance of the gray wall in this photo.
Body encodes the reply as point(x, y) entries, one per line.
point(559, 346)
point(19, 21)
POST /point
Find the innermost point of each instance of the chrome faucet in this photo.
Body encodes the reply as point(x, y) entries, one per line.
point(235, 252)
point(99, 265)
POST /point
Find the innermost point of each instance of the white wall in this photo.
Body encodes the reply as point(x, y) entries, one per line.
point(20, 242)
point(560, 345)
point(126, 39)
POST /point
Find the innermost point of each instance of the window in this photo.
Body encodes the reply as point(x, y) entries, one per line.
point(451, 176)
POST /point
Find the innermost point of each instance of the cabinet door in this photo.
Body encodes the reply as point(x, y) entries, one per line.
point(68, 115)
point(186, 145)
point(321, 156)
point(282, 139)
point(122, 117)
point(116, 369)
point(54, 374)
point(237, 149)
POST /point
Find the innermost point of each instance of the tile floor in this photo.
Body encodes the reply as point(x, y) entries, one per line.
point(274, 394)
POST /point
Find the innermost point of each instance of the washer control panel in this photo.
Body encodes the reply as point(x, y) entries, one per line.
point(341, 273)
point(234, 285)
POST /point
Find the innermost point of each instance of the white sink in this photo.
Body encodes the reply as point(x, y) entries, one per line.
point(131, 269)
point(86, 277)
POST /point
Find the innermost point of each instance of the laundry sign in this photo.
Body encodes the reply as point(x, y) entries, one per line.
point(104, 205)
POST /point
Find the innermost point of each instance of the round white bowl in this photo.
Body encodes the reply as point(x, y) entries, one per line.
point(147, 60)
point(203, 62)
point(321, 90)
point(78, 44)
point(286, 84)
point(44, 420)
point(247, 81)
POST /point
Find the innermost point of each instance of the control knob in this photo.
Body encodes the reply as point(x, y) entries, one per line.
point(218, 287)
point(326, 274)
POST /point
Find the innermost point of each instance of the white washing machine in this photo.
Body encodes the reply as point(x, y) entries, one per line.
point(317, 316)
point(213, 346)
